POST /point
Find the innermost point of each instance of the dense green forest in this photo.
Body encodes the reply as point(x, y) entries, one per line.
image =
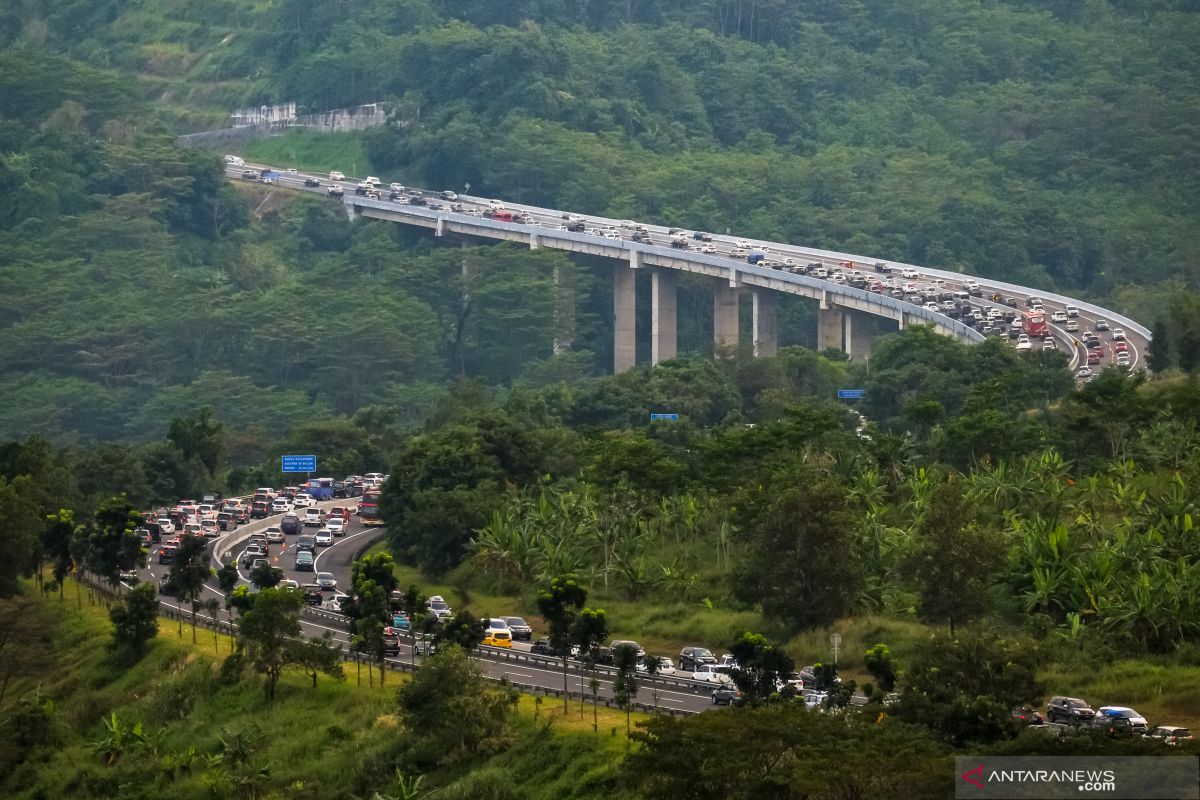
point(1053, 144)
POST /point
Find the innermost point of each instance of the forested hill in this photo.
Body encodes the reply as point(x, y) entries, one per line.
point(1050, 143)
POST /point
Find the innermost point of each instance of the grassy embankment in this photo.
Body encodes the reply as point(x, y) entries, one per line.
point(1165, 689)
point(334, 740)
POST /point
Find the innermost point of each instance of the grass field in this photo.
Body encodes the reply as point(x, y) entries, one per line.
point(312, 152)
point(338, 739)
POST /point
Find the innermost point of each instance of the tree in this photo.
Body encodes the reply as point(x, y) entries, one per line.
point(952, 558)
point(188, 574)
point(135, 621)
point(1159, 358)
point(266, 575)
point(589, 631)
point(800, 562)
point(412, 603)
point(266, 630)
point(108, 543)
point(22, 529)
point(559, 601)
point(59, 532)
point(227, 581)
point(200, 437)
point(464, 630)
point(452, 710)
point(762, 667)
point(372, 582)
point(1188, 347)
point(964, 688)
point(319, 655)
point(881, 666)
point(625, 683)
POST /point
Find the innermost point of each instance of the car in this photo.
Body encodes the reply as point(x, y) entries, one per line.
point(1049, 344)
point(1101, 324)
point(274, 534)
point(166, 553)
point(305, 561)
point(336, 526)
point(1070, 710)
point(313, 594)
point(280, 506)
point(692, 656)
point(909, 272)
point(306, 542)
point(250, 174)
point(313, 517)
point(711, 673)
point(1023, 344)
point(1028, 716)
point(400, 620)
point(1093, 357)
point(1123, 359)
point(542, 647)
point(310, 182)
point(326, 581)
point(251, 553)
point(665, 666)
point(1118, 719)
point(210, 529)
point(1120, 347)
point(290, 523)
point(258, 540)
point(497, 638)
point(520, 628)
point(638, 651)
point(341, 512)
point(226, 521)
point(336, 176)
point(335, 191)
point(1171, 735)
point(1084, 372)
point(1072, 311)
point(324, 537)
point(166, 527)
point(449, 195)
point(726, 695)
point(1118, 334)
point(438, 607)
point(1058, 316)
point(302, 500)
point(814, 699)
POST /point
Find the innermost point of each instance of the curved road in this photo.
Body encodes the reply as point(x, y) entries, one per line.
point(545, 229)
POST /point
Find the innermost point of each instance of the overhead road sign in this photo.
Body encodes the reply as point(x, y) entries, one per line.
point(668, 417)
point(299, 463)
point(851, 394)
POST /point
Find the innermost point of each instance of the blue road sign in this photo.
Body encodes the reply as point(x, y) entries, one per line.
point(299, 463)
point(851, 394)
point(671, 417)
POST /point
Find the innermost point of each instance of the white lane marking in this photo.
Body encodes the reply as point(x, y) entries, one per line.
point(343, 540)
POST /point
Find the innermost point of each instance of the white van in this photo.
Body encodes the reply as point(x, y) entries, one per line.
point(336, 176)
point(235, 161)
point(373, 182)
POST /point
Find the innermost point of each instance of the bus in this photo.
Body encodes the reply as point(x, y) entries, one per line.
point(320, 488)
point(368, 509)
point(1035, 324)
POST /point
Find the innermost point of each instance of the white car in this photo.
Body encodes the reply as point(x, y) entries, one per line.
point(1058, 316)
point(665, 666)
point(165, 524)
point(628, 223)
point(1023, 343)
point(372, 181)
point(336, 176)
point(274, 534)
point(743, 243)
point(302, 500)
point(313, 518)
point(612, 235)
point(909, 273)
point(711, 673)
point(1083, 372)
point(449, 195)
point(234, 161)
point(1118, 334)
point(280, 506)
point(710, 249)
point(739, 252)
point(1049, 344)
point(1072, 311)
point(1072, 325)
point(324, 537)
point(396, 187)
point(336, 526)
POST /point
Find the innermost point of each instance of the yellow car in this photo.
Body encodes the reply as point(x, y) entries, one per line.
point(494, 638)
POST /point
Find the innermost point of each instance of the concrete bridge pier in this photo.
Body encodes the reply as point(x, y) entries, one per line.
point(624, 318)
point(860, 331)
point(829, 327)
point(766, 330)
point(726, 317)
point(663, 330)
